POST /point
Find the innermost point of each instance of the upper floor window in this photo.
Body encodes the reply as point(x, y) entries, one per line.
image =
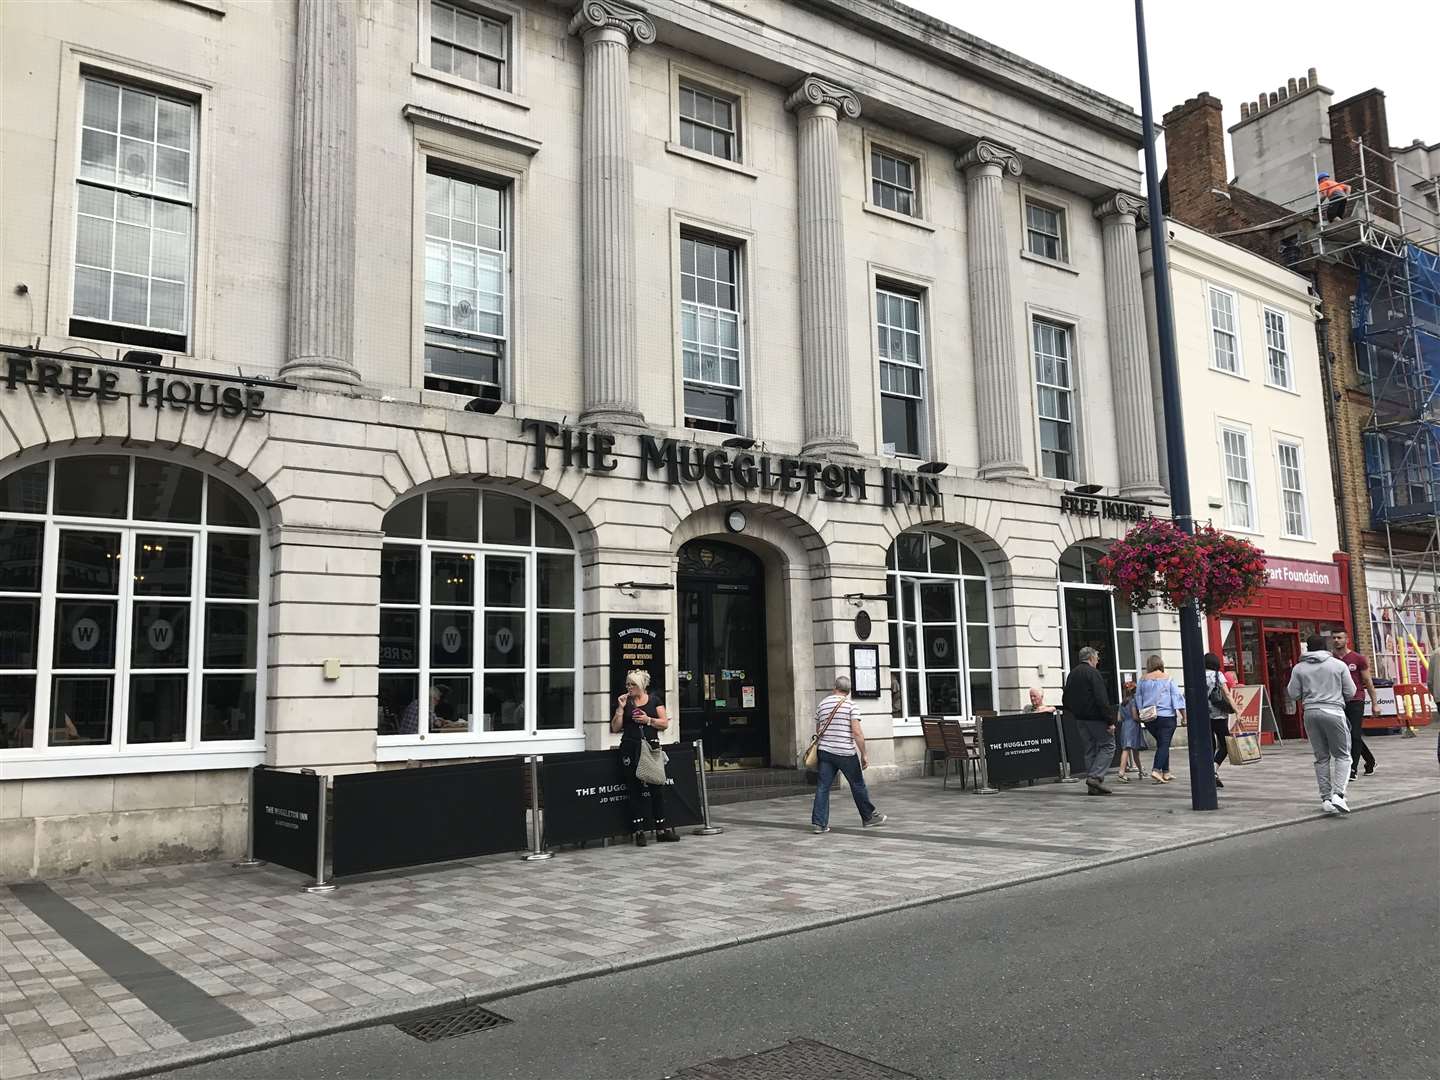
point(708, 122)
point(894, 182)
point(469, 45)
point(1045, 231)
point(1054, 393)
point(900, 341)
point(1277, 349)
point(466, 284)
point(710, 313)
point(1239, 482)
point(135, 217)
point(1224, 332)
point(1293, 504)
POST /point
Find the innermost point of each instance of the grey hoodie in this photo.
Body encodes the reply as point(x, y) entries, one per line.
point(1321, 683)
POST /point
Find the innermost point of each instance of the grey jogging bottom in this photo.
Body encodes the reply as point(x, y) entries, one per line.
point(1330, 739)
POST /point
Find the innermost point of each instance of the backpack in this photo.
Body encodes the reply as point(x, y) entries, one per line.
point(1218, 697)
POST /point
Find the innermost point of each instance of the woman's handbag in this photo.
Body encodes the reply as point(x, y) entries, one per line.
point(650, 766)
point(1242, 749)
point(812, 752)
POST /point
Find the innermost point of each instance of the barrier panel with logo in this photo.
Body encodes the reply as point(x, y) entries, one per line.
point(1022, 746)
point(407, 817)
point(285, 818)
point(586, 797)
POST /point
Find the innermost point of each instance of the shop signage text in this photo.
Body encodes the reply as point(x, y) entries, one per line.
point(84, 380)
point(1302, 576)
point(1087, 506)
point(673, 462)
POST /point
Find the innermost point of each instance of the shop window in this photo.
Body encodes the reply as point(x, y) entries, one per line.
point(479, 622)
point(942, 653)
point(132, 607)
point(1091, 614)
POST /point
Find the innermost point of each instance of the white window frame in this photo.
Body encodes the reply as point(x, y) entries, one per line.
point(728, 101)
point(1224, 428)
point(476, 742)
point(497, 11)
point(715, 84)
point(1212, 290)
point(1027, 200)
point(920, 296)
point(1072, 332)
point(739, 389)
point(1300, 490)
point(886, 149)
point(119, 757)
point(1285, 348)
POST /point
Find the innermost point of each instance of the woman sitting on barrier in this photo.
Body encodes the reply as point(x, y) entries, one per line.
point(638, 715)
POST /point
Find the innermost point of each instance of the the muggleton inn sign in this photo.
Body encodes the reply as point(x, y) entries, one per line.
point(674, 462)
point(196, 390)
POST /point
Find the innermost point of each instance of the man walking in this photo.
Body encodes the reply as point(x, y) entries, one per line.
point(1359, 669)
point(1087, 698)
point(842, 750)
point(1323, 684)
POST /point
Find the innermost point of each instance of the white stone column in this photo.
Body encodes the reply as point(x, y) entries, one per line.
point(607, 220)
point(322, 197)
point(824, 329)
point(1129, 348)
point(992, 326)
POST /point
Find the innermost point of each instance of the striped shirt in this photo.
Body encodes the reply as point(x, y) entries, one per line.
point(837, 737)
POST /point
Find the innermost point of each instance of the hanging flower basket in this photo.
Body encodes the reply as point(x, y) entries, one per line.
point(1158, 561)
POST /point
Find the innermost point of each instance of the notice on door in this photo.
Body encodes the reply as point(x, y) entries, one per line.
point(637, 645)
point(747, 697)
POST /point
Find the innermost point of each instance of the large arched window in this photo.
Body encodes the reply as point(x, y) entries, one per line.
point(479, 624)
point(132, 611)
point(1091, 615)
point(942, 650)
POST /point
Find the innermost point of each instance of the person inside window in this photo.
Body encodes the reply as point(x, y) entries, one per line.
point(442, 713)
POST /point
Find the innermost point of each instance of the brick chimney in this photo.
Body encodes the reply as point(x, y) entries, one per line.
point(1363, 117)
point(1195, 162)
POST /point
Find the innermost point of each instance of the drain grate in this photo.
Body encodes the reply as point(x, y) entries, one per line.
point(452, 1023)
point(802, 1059)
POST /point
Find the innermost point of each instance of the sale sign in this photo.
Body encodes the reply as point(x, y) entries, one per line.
point(1247, 701)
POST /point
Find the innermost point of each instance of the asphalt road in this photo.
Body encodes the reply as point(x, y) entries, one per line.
point(1308, 951)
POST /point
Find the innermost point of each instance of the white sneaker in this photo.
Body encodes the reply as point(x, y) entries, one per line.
point(1327, 807)
point(1338, 801)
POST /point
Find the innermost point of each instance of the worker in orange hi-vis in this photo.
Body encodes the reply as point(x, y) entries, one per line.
point(1334, 195)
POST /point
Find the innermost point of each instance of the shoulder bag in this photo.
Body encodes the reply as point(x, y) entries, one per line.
point(650, 766)
point(812, 752)
point(1147, 713)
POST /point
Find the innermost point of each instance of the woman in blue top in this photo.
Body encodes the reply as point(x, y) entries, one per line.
point(1161, 707)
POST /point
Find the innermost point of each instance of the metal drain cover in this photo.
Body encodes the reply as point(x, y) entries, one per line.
point(452, 1023)
point(802, 1059)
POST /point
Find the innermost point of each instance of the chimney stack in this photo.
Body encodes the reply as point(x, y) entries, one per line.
point(1195, 161)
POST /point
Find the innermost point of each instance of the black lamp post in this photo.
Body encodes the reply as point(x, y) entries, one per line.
point(1192, 641)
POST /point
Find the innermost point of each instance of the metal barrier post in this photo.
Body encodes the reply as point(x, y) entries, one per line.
point(250, 860)
point(984, 787)
point(322, 882)
point(1065, 777)
point(537, 851)
point(707, 829)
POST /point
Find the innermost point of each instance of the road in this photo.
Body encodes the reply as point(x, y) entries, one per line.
point(1307, 951)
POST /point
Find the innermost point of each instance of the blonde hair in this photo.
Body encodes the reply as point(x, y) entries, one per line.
point(639, 678)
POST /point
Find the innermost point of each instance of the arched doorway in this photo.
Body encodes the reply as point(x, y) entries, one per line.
point(722, 643)
point(1091, 615)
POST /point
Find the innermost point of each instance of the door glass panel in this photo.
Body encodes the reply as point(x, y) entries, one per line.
point(504, 702)
point(20, 554)
point(944, 693)
point(162, 565)
point(160, 637)
point(157, 709)
point(937, 602)
point(452, 578)
point(504, 640)
point(89, 563)
point(941, 647)
point(453, 704)
point(1088, 621)
point(450, 639)
point(84, 634)
point(80, 710)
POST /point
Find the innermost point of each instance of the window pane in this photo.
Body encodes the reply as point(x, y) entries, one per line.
point(19, 632)
point(944, 554)
point(944, 694)
point(941, 647)
point(17, 712)
point(504, 581)
point(84, 634)
point(450, 639)
point(453, 706)
point(404, 519)
point(230, 635)
point(94, 486)
point(227, 507)
point(80, 710)
point(555, 640)
point(505, 641)
point(89, 563)
point(399, 638)
point(504, 702)
point(911, 548)
point(453, 515)
point(977, 609)
point(507, 519)
point(555, 691)
point(398, 707)
point(982, 692)
point(937, 602)
point(157, 709)
point(555, 584)
point(166, 492)
point(20, 555)
point(900, 420)
point(233, 567)
point(977, 644)
point(1071, 567)
point(399, 574)
point(162, 565)
point(452, 578)
point(227, 707)
point(26, 490)
point(160, 636)
point(549, 532)
point(970, 562)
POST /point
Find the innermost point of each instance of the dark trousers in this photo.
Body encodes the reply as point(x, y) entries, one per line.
point(1355, 717)
point(1336, 207)
point(830, 765)
point(1098, 742)
point(629, 759)
point(1219, 731)
point(1162, 730)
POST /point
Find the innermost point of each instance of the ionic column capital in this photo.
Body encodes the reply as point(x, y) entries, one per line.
point(813, 90)
point(984, 152)
point(631, 21)
point(1121, 203)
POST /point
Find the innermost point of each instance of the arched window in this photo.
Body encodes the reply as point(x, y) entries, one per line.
point(1090, 614)
point(942, 650)
point(479, 624)
point(132, 611)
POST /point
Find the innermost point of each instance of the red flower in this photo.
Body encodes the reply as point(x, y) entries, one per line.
point(1157, 560)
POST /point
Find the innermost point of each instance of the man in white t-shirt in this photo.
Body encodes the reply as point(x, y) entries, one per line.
point(842, 750)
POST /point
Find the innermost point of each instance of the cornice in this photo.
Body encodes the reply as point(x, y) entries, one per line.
point(813, 90)
point(985, 152)
point(611, 15)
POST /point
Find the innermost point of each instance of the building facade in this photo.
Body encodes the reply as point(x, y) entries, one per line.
point(370, 367)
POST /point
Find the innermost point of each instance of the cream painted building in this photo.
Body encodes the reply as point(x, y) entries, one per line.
point(286, 281)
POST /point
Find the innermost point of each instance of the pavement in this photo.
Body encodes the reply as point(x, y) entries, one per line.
point(1302, 952)
point(130, 973)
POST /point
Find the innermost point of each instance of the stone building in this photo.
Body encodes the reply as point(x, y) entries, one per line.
point(368, 366)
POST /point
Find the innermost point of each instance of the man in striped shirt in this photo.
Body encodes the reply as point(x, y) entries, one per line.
point(842, 750)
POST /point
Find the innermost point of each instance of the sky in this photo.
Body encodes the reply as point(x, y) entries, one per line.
point(1232, 48)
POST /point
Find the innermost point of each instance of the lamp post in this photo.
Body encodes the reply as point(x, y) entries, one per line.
point(1192, 642)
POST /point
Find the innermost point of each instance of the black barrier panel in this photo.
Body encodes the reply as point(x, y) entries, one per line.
point(1075, 745)
point(286, 817)
point(1024, 746)
point(586, 796)
point(406, 817)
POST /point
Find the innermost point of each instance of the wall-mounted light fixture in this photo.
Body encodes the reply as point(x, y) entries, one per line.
point(487, 405)
point(1087, 489)
point(630, 588)
point(930, 468)
point(858, 598)
point(738, 442)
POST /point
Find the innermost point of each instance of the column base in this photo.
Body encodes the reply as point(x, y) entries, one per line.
point(1145, 493)
point(312, 370)
point(827, 447)
point(1004, 470)
point(609, 416)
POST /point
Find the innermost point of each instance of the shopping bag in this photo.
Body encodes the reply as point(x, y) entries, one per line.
point(1242, 749)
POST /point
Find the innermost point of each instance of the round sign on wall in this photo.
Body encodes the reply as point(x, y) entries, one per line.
point(862, 626)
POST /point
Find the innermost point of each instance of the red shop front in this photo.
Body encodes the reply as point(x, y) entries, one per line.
point(1261, 642)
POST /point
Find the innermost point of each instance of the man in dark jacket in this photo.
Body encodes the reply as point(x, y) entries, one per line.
point(1087, 699)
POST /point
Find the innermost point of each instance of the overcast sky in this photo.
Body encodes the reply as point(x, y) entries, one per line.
point(1232, 48)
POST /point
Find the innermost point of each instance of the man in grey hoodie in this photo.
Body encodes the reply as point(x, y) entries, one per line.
point(1323, 684)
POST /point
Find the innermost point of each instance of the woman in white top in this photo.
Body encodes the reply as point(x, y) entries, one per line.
point(842, 750)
